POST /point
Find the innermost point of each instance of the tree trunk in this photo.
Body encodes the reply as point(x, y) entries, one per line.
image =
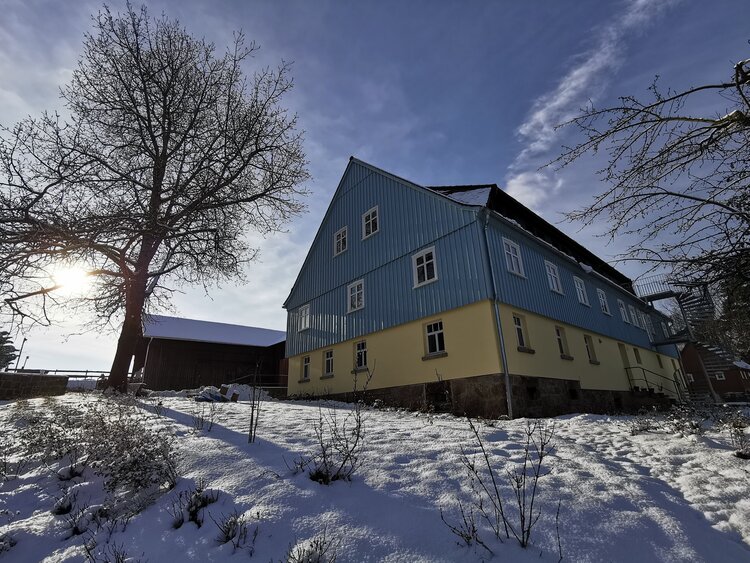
point(129, 334)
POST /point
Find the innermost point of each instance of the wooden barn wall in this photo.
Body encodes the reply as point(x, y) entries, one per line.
point(175, 364)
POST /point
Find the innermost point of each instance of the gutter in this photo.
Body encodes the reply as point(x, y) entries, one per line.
point(498, 324)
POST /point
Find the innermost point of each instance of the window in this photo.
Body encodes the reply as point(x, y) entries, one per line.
point(435, 339)
point(306, 368)
point(304, 318)
point(690, 377)
point(562, 342)
point(339, 241)
point(623, 311)
point(633, 315)
point(553, 277)
point(637, 353)
point(719, 375)
point(658, 359)
point(590, 350)
point(370, 222)
point(649, 326)
point(520, 326)
point(424, 267)
point(603, 303)
point(583, 297)
point(328, 363)
point(642, 320)
point(513, 257)
point(665, 329)
point(356, 292)
point(360, 355)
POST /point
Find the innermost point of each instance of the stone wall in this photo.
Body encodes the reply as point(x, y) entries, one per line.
point(484, 396)
point(27, 386)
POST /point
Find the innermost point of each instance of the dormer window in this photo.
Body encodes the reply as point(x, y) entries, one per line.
point(340, 241)
point(370, 224)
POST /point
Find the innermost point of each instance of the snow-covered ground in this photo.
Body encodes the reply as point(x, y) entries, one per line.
point(653, 496)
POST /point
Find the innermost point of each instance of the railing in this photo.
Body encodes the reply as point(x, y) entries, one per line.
point(657, 381)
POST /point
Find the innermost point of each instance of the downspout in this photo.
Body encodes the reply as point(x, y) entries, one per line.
point(498, 324)
point(145, 360)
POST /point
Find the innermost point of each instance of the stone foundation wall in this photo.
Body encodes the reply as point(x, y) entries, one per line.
point(484, 396)
point(27, 386)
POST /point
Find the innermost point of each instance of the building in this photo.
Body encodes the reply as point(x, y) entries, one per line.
point(456, 295)
point(187, 353)
point(713, 373)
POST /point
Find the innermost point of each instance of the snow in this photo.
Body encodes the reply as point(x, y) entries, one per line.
point(175, 328)
point(476, 196)
point(742, 365)
point(654, 496)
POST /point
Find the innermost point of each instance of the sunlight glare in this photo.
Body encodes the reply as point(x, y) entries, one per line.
point(73, 281)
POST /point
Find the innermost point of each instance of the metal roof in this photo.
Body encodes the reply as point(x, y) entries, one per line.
point(176, 328)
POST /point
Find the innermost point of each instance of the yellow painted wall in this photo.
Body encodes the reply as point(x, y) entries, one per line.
point(396, 354)
point(546, 361)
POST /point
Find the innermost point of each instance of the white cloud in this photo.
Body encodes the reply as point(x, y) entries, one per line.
point(585, 80)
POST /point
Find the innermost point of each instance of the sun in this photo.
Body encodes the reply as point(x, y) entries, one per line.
point(72, 280)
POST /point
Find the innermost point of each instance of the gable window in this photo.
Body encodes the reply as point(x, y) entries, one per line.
point(633, 315)
point(603, 303)
point(356, 293)
point(339, 241)
point(370, 224)
point(304, 318)
point(519, 325)
point(623, 311)
point(328, 363)
point(719, 375)
point(562, 342)
point(435, 338)
point(306, 368)
point(590, 350)
point(637, 353)
point(583, 297)
point(513, 257)
point(424, 267)
point(553, 277)
point(360, 355)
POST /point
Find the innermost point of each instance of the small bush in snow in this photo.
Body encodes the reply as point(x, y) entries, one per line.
point(189, 505)
point(687, 420)
point(64, 504)
point(234, 529)
point(340, 441)
point(640, 423)
point(320, 549)
point(6, 542)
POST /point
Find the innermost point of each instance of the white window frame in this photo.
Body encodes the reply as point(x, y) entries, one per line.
point(623, 311)
point(603, 302)
point(665, 329)
point(633, 315)
point(588, 341)
point(511, 250)
point(719, 375)
point(328, 355)
point(690, 377)
point(365, 220)
point(349, 308)
point(305, 368)
point(521, 333)
point(344, 232)
point(415, 267)
point(649, 328)
point(553, 277)
point(439, 337)
point(359, 354)
point(303, 318)
point(562, 341)
point(583, 296)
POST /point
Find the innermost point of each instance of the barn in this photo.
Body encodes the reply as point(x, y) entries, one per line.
point(187, 353)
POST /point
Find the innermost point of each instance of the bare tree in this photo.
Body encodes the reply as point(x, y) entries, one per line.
point(169, 156)
point(678, 177)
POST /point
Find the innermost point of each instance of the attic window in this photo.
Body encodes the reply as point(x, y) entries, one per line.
point(339, 241)
point(583, 297)
point(603, 301)
point(623, 311)
point(304, 318)
point(513, 257)
point(424, 267)
point(370, 224)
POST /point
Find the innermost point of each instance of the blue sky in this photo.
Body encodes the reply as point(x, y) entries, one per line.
point(439, 92)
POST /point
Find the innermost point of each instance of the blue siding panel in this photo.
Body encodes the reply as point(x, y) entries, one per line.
point(533, 293)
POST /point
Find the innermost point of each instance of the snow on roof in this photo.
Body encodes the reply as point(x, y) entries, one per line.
point(742, 365)
point(176, 328)
point(468, 195)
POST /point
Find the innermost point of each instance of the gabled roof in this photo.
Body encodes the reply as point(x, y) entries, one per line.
point(176, 328)
point(492, 197)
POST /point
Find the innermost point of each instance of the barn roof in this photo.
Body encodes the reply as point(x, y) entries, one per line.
point(176, 328)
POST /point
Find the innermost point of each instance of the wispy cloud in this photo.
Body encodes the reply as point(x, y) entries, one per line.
point(586, 79)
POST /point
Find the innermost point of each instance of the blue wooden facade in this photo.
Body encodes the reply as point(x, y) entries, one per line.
point(412, 218)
